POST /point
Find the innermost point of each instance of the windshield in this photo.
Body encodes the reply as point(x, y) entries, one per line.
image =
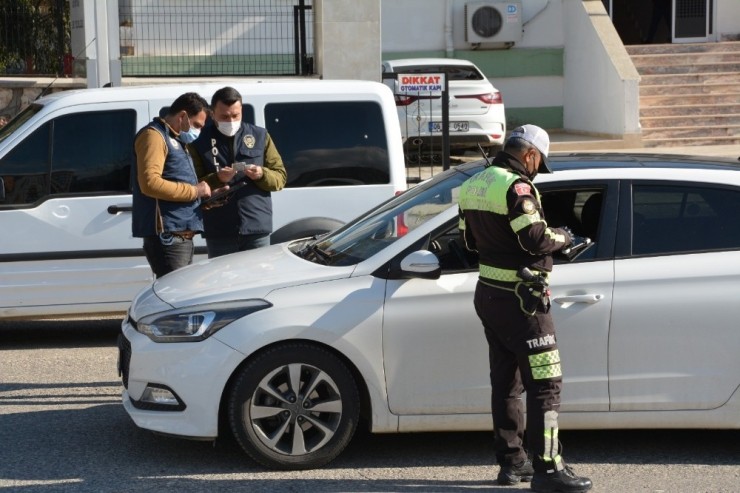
point(19, 120)
point(364, 237)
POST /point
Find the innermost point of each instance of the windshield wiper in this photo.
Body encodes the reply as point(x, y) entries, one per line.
point(316, 253)
point(322, 254)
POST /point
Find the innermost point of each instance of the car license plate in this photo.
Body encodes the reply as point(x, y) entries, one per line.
point(454, 126)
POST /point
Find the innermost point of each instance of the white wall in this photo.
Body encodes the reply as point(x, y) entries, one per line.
point(602, 84)
point(545, 26)
point(347, 39)
point(599, 88)
point(727, 18)
point(531, 92)
point(419, 25)
point(416, 25)
point(409, 25)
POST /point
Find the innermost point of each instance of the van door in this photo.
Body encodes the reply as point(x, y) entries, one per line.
point(67, 246)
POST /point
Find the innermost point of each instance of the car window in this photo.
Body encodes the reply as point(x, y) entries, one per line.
point(326, 144)
point(78, 153)
point(453, 72)
point(369, 234)
point(449, 248)
point(578, 209)
point(669, 219)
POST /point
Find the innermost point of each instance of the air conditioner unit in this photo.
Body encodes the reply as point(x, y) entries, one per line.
point(493, 21)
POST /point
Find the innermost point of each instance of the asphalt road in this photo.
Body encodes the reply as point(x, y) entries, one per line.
point(62, 428)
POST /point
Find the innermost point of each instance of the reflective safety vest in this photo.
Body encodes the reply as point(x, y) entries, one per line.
point(501, 218)
point(486, 191)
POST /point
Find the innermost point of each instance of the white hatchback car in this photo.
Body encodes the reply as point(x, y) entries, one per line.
point(476, 108)
point(288, 346)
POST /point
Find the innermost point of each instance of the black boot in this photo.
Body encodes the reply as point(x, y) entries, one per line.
point(564, 481)
point(511, 475)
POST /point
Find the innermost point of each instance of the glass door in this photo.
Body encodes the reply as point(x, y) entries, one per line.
point(692, 20)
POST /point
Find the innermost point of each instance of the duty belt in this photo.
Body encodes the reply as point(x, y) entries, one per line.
point(503, 275)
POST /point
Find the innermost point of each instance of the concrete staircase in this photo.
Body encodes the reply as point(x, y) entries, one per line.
point(689, 93)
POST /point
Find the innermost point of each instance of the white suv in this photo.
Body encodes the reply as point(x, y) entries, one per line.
point(476, 115)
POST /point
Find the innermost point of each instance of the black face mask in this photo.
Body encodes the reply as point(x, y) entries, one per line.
point(542, 168)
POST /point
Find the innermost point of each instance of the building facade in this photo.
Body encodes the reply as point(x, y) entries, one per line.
point(569, 68)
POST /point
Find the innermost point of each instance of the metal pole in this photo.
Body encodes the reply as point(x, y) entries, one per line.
point(446, 125)
point(302, 21)
point(296, 41)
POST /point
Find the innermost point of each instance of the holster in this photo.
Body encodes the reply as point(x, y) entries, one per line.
point(530, 295)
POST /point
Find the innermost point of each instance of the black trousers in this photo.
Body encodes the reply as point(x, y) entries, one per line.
point(523, 356)
point(168, 254)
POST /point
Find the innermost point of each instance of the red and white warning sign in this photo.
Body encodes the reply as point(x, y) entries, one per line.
point(421, 83)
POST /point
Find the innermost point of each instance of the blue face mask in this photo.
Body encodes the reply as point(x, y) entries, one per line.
point(189, 136)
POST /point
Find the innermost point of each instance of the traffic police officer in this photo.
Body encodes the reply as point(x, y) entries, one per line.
point(501, 217)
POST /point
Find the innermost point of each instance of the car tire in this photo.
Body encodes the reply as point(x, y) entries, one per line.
point(293, 387)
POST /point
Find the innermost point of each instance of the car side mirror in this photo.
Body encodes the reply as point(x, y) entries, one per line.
point(421, 264)
point(2, 189)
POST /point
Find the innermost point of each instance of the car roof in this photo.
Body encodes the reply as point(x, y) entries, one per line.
point(408, 62)
point(578, 160)
point(560, 161)
point(616, 165)
point(247, 87)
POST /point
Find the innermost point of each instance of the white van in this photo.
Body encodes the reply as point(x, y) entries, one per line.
point(65, 162)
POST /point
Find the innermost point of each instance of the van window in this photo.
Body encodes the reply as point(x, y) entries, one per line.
point(78, 153)
point(330, 143)
point(19, 120)
point(25, 169)
point(247, 113)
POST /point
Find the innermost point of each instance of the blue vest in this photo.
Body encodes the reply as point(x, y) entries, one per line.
point(249, 210)
point(176, 216)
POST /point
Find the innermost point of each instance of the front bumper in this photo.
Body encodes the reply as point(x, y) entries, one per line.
point(196, 372)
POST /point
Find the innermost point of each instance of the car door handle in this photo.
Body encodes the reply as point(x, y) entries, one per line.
point(115, 209)
point(589, 299)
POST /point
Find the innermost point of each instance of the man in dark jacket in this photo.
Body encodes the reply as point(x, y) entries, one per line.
point(501, 217)
point(243, 155)
point(166, 190)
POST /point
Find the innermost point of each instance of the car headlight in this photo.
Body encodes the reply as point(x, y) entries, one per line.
point(196, 323)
